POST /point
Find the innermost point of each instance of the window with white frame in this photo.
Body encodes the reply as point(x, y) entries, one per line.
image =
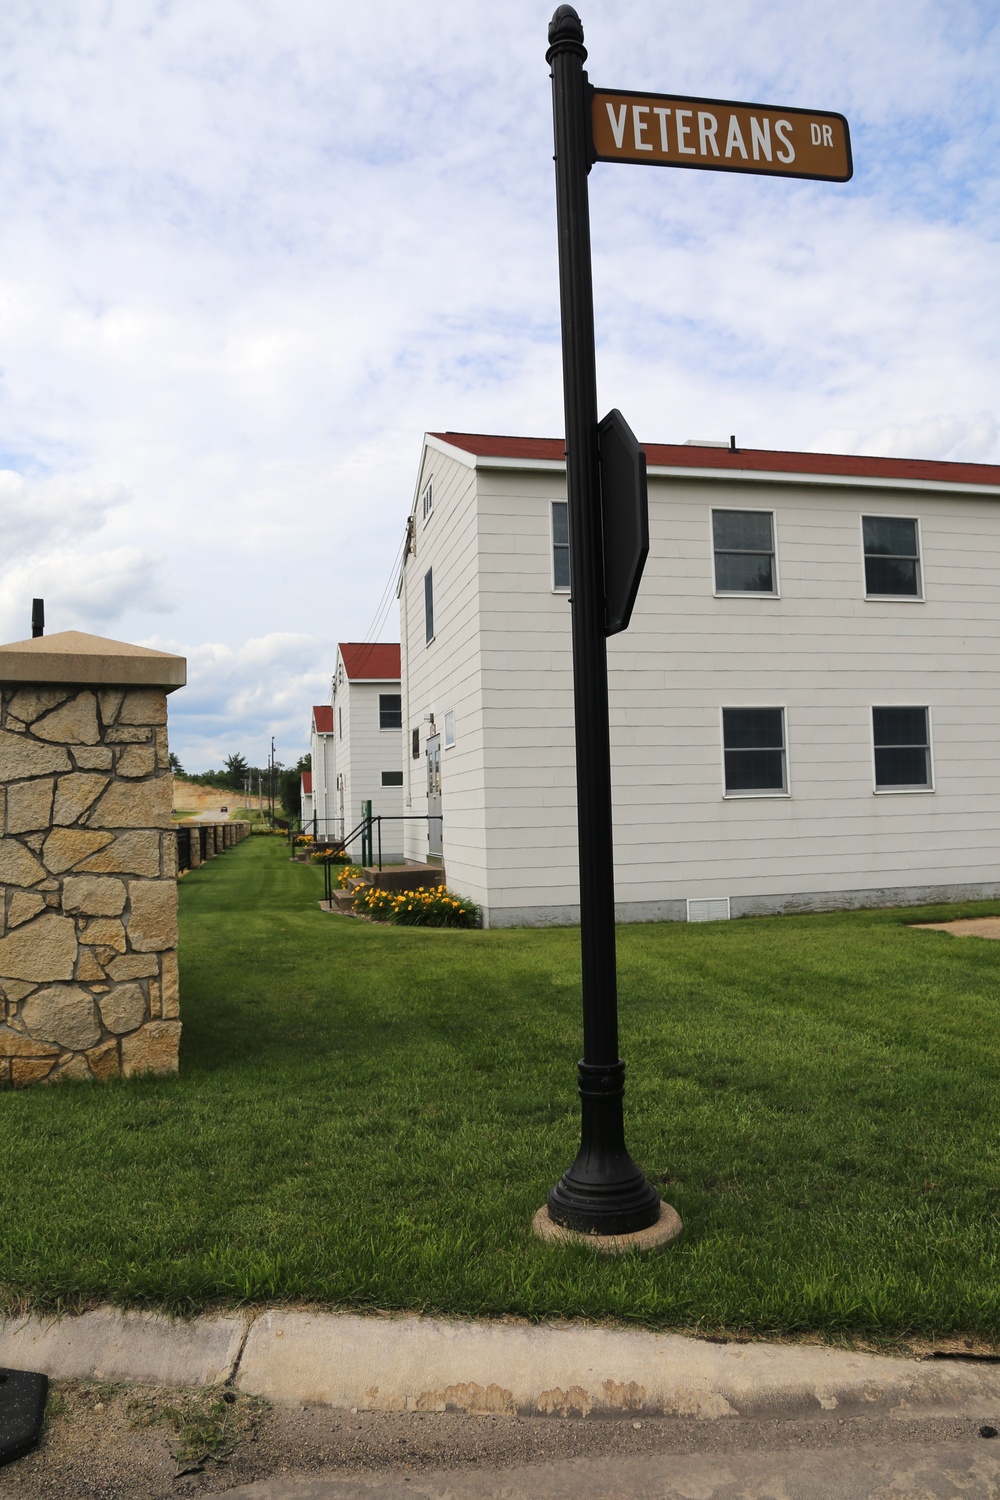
point(449, 729)
point(753, 742)
point(392, 778)
point(892, 556)
point(743, 542)
point(429, 606)
point(427, 500)
point(560, 544)
point(340, 723)
point(390, 711)
point(902, 742)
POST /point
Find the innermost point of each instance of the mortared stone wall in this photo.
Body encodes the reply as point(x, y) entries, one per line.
point(88, 884)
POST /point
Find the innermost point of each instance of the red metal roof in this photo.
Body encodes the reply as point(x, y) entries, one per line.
point(376, 661)
point(323, 718)
point(767, 460)
point(307, 781)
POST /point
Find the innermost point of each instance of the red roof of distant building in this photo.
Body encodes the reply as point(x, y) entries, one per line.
point(378, 661)
point(307, 781)
point(323, 718)
point(768, 460)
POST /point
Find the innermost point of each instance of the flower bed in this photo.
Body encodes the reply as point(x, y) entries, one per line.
point(427, 906)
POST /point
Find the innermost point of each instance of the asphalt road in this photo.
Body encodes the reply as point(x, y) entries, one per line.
point(807, 1463)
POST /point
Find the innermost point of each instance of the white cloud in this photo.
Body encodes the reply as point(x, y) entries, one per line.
point(236, 698)
point(81, 590)
point(962, 440)
point(251, 252)
point(33, 514)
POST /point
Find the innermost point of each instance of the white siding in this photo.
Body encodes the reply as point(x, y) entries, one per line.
point(444, 676)
point(324, 781)
point(363, 752)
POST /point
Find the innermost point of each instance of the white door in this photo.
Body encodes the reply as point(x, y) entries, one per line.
point(435, 843)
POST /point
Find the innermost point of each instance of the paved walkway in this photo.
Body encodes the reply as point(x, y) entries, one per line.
point(984, 927)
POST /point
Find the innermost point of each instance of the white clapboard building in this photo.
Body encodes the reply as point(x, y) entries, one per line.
point(805, 709)
point(318, 818)
point(366, 725)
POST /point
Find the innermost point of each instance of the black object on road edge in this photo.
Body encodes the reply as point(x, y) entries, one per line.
point(22, 1409)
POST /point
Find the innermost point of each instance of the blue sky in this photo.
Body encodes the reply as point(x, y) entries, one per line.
point(253, 249)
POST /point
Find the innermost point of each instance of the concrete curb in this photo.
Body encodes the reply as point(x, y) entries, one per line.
point(139, 1347)
point(428, 1364)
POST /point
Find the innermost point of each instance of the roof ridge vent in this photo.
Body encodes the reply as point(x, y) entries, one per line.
point(706, 443)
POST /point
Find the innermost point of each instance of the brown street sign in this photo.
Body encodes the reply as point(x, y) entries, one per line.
point(719, 135)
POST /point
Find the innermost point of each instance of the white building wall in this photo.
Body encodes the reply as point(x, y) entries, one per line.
point(444, 676)
point(821, 650)
point(827, 654)
point(342, 750)
point(361, 752)
point(370, 751)
point(323, 794)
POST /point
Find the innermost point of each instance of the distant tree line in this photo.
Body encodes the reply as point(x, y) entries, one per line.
point(233, 778)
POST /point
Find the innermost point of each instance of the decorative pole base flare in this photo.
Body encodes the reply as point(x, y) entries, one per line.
point(603, 1192)
point(667, 1228)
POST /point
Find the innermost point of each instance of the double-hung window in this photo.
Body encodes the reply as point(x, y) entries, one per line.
point(902, 743)
point(743, 541)
point(753, 743)
point(429, 606)
point(892, 557)
point(390, 711)
point(560, 544)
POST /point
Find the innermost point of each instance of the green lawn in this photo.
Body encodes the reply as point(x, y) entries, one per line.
point(369, 1117)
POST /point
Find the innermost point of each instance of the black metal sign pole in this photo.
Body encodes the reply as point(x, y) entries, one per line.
point(603, 1192)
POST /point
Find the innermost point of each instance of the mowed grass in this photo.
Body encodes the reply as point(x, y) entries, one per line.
point(369, 1116)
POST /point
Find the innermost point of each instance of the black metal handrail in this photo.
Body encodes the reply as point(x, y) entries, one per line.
point(365, 828)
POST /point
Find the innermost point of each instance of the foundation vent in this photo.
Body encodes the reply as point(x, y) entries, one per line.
point(715, 909)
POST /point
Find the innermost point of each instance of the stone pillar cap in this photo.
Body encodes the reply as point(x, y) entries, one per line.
point(72, 656)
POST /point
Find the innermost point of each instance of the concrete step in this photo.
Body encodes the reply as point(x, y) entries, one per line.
point(403, 877)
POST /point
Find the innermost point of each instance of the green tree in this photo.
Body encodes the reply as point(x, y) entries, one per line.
point(290, 786)
point(236, 772)
point(174, 763)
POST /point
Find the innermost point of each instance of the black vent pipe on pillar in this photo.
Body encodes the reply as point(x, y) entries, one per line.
point(37, 618)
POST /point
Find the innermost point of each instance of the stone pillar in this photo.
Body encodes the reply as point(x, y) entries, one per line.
point(88, 861)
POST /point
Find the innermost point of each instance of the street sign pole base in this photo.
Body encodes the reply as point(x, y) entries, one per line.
point(667, 1228)
point(615, 1201)
point(603, 1192)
